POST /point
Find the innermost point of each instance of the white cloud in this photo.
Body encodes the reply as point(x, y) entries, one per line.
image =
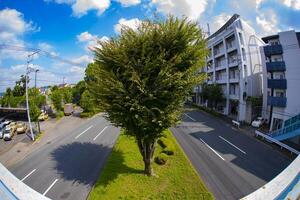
point(268, 23)
point(90, 40)
point(85, 59)
point(189, 8)
point(218, 21)
point(12, 28)
point(130, 23)
point(85, 36)
point(295, 4)
point(81, 7)
point(127, 3)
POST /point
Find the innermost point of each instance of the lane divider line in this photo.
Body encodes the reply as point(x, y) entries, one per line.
point(189, 117)
point(50, 187)
point(100, 133)
point(23, 179)
point(212, 149)
point(83, 132)
point(232, 145)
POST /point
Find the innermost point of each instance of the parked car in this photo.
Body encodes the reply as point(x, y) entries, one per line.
point(8, 133)
point(1, 132)
point(68, 109)
point(257, 122)
point(21, 127)
point(43, 116)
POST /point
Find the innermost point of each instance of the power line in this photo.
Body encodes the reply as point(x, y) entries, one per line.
point(40, 51)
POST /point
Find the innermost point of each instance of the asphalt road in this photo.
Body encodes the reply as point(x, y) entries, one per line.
point(232, 164)
point(68, 166)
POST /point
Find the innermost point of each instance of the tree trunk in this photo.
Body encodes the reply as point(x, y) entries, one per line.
point(147, 151)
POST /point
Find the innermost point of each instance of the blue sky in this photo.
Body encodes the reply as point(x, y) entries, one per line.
point(66, 28)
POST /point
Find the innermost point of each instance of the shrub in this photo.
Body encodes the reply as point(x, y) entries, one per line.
point(86, 114)
point(161, 159)
point(167, 145)
point(169, 150)
point(59, 114)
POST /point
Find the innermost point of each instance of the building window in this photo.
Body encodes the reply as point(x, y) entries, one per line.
point(241, 38)
point(244, 54)
point(279, 94)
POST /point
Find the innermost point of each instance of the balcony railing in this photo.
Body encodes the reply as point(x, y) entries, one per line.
point(277, 83)
point(273, 49)
point(276, 66)
point(277, 101)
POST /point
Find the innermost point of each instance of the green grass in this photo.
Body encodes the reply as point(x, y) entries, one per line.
point(123, 178)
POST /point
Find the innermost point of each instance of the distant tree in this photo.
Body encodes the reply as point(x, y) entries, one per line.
point(87, 102)
point(67, 94)
point(216, 94)
point(20, 87)
point(56, 98)
point(53, 88)
point(77, 91)
point(213, 93)
point(142, 78)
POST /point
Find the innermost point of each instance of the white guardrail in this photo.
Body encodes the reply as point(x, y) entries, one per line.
point(284, 186)
point(277, 142)
point(11, 188)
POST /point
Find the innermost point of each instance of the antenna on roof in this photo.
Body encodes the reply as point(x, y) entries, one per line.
point(208, 29)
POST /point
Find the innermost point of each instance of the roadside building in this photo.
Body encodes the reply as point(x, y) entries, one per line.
point(234, 62)
point(281, 78)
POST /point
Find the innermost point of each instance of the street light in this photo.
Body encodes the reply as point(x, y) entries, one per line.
point(28, 71)
point(36, 71)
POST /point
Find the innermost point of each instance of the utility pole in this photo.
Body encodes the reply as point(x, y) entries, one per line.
point(28, 70)
point(63, 82)
point(36, 71)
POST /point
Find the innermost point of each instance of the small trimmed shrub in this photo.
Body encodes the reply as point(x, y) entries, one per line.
point(86, 114)
point(167, 145)
point(169, 150)
point(161, 159)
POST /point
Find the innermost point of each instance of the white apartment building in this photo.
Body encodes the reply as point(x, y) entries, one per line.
point(281, 72)
point(234, 62)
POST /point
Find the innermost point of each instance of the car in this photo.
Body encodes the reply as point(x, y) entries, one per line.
point(43, 116)
point(8, 133)
point(1, 132)
point(21, 127)
point(257, 122)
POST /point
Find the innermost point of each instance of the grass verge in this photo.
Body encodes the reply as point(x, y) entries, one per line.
point(122, 176)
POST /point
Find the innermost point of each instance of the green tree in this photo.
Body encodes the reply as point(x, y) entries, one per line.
point(20, 87)
point(213, 93)
point(77, 91)
point(141, 78)
point(67, 94)
point(87, 102)
point(56, 98)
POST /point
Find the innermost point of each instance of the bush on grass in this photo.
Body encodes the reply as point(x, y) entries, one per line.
point(161, 159)
point(167, 145)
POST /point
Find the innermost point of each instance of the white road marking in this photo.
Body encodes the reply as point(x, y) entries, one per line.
point(189, 117)
point(100, 132)
point(28, 175)
point(232, 145)
point(212, 150)
point(83, 132)
point(50, 187)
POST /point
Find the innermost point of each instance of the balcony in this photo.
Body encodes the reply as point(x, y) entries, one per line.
point(277, 83)
point(273, 50)
point(275, 66)
point(277, 101)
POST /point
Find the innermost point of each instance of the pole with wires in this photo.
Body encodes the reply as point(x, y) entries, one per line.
point(28, 70)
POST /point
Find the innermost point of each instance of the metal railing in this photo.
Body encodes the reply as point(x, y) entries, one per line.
point(282, 145)
point(286, 129)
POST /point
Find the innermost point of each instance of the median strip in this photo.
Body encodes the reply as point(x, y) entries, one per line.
point(50, 187)
point(100, 133)
point(232, 145)
point(83, 132)
point(23, 179)
point(212, 149)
